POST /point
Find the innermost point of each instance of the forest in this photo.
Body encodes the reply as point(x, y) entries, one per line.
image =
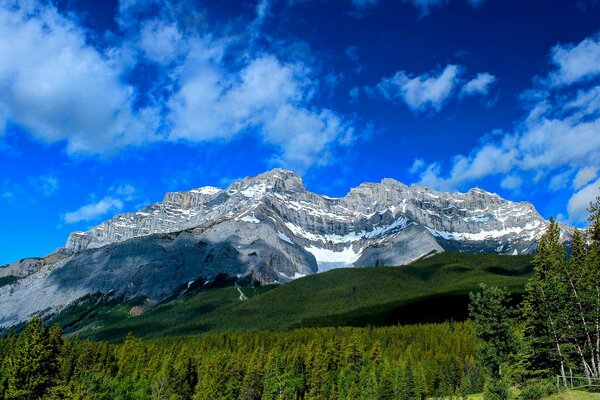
point(402, 362)
point(508, 349)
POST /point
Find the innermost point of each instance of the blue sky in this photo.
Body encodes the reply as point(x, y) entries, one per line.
point(105, 106)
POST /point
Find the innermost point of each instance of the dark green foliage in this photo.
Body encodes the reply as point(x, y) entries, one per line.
point(411, 362)
point(562, 307)
point(30, 361)
point(537, 389)
point(494, 325)
point(497, 389)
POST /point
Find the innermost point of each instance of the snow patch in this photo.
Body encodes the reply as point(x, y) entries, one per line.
point(296, 275)
point(254, 191)
point(329, 259)
point(492, 234)
point(210, 190)
point(283, 237)
point(250, 218)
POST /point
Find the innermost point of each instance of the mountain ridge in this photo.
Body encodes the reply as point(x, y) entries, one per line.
point(269, 228)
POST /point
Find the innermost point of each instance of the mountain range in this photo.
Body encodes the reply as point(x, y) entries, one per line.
point(264, 229)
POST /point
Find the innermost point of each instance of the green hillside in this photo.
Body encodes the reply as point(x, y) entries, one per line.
point(430, 290)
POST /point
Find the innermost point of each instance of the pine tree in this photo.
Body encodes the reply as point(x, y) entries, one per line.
point(544, 298)
point(29, 368)
point(494, 325)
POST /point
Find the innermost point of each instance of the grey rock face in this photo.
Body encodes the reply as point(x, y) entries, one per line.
point(270, 227)
point(367, 214)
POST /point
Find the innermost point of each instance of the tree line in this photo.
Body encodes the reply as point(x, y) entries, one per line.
point(555, 332)
point(399, 362)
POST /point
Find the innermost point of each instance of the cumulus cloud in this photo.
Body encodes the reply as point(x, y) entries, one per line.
point(94, 211)
point(478, 85)
point(426, 92)
point(580, 202)
point(57, 87)
point(575, 62)
point(60, 88)
point(430, 91)
point(266, 95)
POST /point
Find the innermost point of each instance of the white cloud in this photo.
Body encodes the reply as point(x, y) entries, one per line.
point(417, 165)
point(125, 191)
point(511, 182)
point(160, 41)
point(580, 201)
point(429, 92)
point(478, 85)
point(94, 211)
point(426, 92)
point(541, 144)
point(62, 89)
point(584, 176)
point(558, 136)
point(59, 88)
point(576, 62)
point(266, 95)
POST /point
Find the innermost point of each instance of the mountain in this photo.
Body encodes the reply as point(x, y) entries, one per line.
point(268, 229)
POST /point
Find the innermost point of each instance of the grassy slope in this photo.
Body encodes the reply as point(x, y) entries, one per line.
point(433, 289)
point(575, 395)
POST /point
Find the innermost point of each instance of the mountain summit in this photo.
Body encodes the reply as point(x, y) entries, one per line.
point(269, 228)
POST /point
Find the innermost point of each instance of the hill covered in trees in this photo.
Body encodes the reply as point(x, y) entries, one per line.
point(433, 289)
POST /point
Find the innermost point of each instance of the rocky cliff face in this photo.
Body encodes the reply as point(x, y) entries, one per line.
point(269, 227)
point(369, 214)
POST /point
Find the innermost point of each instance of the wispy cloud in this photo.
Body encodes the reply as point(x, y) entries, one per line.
point(580, 201)
point(46, 185)
point(94, 211)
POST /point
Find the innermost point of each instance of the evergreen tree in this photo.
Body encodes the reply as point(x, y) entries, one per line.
point(545, 295)
point(29, 368)
point(494, 325)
